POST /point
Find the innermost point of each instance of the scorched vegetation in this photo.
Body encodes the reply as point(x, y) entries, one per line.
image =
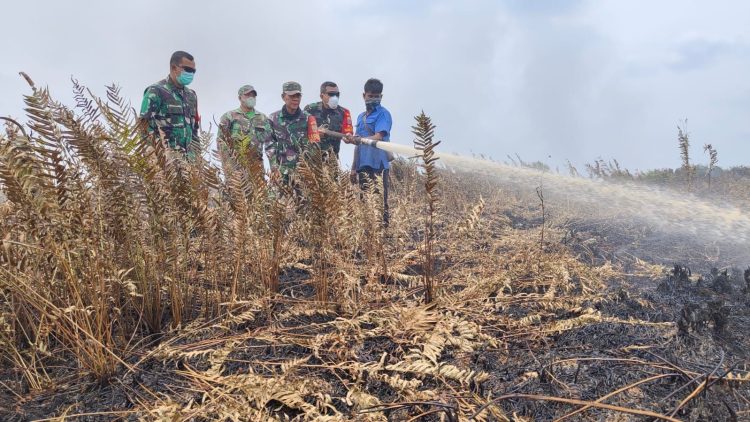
point(136, 286)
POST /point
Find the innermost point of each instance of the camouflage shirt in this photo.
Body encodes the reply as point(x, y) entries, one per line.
point(173, 110)
point(289, 139)
point(248, 132)
point(334, 118)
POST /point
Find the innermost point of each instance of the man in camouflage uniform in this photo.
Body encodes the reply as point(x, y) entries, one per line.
point(245, 130)
point(170, 108)
point(290, 133)
point(328, 112)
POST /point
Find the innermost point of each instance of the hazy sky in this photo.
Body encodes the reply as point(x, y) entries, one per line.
point(570, 79)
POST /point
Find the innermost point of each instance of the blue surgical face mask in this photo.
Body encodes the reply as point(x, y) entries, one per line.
point(185, 78)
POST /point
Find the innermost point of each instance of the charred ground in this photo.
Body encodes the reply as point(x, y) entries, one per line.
point(668, 327)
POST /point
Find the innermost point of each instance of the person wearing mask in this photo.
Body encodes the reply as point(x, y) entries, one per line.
point(293, 132)
point(374, 123)
point(169, 108)
point(329, 114)
point(245, 130)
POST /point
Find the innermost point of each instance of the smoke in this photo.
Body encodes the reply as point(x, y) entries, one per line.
point(574, 79)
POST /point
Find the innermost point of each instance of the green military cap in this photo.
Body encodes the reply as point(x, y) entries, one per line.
point(244, 89)
point(291, 88)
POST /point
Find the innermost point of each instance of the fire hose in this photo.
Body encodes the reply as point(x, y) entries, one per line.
point(358, 140)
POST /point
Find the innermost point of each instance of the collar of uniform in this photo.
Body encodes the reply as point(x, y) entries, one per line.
point(243, 112)
point(172, 86)
point(286, 113)
point(374, 109)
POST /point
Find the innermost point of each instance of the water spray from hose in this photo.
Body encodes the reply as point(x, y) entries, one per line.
point(664, 209)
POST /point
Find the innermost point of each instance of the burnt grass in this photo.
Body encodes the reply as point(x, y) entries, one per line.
point(709, 306)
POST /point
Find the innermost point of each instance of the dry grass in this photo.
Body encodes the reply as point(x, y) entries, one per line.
point(207, 294)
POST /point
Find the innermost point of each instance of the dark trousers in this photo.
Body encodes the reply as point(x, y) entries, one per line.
point(291, 186)
point(366, 174)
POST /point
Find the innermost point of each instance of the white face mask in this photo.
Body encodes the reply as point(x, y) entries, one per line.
point(333, 102)
point(250, 102)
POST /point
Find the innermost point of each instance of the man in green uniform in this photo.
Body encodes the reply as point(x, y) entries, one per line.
point(292, 129)
point(245, 130)
point(328, 112)
point(170, 108)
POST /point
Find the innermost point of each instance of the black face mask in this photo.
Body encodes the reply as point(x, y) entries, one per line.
point(371, 104)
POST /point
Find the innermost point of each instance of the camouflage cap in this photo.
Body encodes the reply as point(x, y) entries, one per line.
point(291, 88)
point(244, 89)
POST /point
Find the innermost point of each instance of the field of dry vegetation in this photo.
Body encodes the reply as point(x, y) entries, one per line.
point(135, 286)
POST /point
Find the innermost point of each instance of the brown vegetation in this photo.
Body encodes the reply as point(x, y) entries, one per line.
point(138, 286)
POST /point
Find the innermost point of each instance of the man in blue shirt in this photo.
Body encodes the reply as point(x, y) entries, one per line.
point(375, 123)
